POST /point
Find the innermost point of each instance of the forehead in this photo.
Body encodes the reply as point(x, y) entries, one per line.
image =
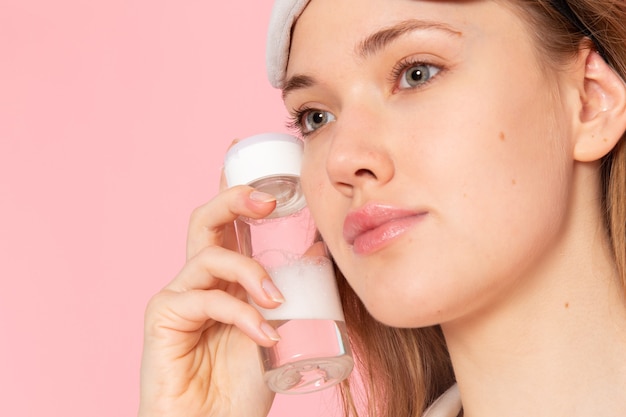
point(326, 26)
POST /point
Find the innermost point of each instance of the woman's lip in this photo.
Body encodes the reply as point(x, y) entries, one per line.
point(373, 226)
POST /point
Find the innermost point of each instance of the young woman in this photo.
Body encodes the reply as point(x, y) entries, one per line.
point(468, 169)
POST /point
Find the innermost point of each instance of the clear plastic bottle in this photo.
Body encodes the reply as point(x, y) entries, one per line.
point(313, 352)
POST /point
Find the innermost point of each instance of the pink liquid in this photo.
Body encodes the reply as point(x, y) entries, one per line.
point(311, 355)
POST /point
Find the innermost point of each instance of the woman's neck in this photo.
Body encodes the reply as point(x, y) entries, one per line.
point(555, 344)
point(564, 355)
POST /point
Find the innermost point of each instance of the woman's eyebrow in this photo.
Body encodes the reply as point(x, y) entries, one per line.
point(377, 41)
point(373, 44)
point(297, 82)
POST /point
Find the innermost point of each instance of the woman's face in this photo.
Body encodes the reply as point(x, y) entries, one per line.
point(437, 160)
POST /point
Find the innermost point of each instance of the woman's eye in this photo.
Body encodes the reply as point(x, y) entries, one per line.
point(314, 119)
point(416, 75)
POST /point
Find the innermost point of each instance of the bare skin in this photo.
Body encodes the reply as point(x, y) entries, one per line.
point(496, 161)
point(495, 158)
point(200, 355)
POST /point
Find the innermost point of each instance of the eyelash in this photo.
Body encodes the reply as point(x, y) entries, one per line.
point(295, 119)
point(399, 69)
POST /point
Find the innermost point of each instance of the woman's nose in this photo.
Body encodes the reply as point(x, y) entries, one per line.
point(359, 156)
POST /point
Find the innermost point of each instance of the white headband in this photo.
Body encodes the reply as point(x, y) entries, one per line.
point(284, 15)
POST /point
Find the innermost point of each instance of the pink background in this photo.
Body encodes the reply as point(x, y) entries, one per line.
point(114, 116)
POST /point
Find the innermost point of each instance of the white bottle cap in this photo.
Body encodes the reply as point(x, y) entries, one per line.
point(271, 163)
point(261, 156)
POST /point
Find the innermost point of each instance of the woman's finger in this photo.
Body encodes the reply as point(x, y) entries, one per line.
point(207, 223)
point(214, 265)
point(172, 312)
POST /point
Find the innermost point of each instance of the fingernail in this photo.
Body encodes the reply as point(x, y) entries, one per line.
point(269, 331)
point(271, 291)
point(262, 197)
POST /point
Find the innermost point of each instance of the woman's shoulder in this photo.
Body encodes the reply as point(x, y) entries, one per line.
point(448, 405)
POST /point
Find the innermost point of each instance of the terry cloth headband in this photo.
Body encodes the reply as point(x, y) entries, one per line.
point(286, 12)
point(284, 15)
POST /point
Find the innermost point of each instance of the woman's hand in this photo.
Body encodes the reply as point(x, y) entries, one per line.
point(200, 355)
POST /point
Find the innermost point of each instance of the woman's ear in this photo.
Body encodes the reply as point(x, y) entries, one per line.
point(602, 120)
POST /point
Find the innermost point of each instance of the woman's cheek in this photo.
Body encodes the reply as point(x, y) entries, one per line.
point(312, 180)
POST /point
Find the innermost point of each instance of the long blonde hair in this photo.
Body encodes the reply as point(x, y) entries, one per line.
point(404, 370)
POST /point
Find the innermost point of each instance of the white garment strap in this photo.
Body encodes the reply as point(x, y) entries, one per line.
point(448, 405)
